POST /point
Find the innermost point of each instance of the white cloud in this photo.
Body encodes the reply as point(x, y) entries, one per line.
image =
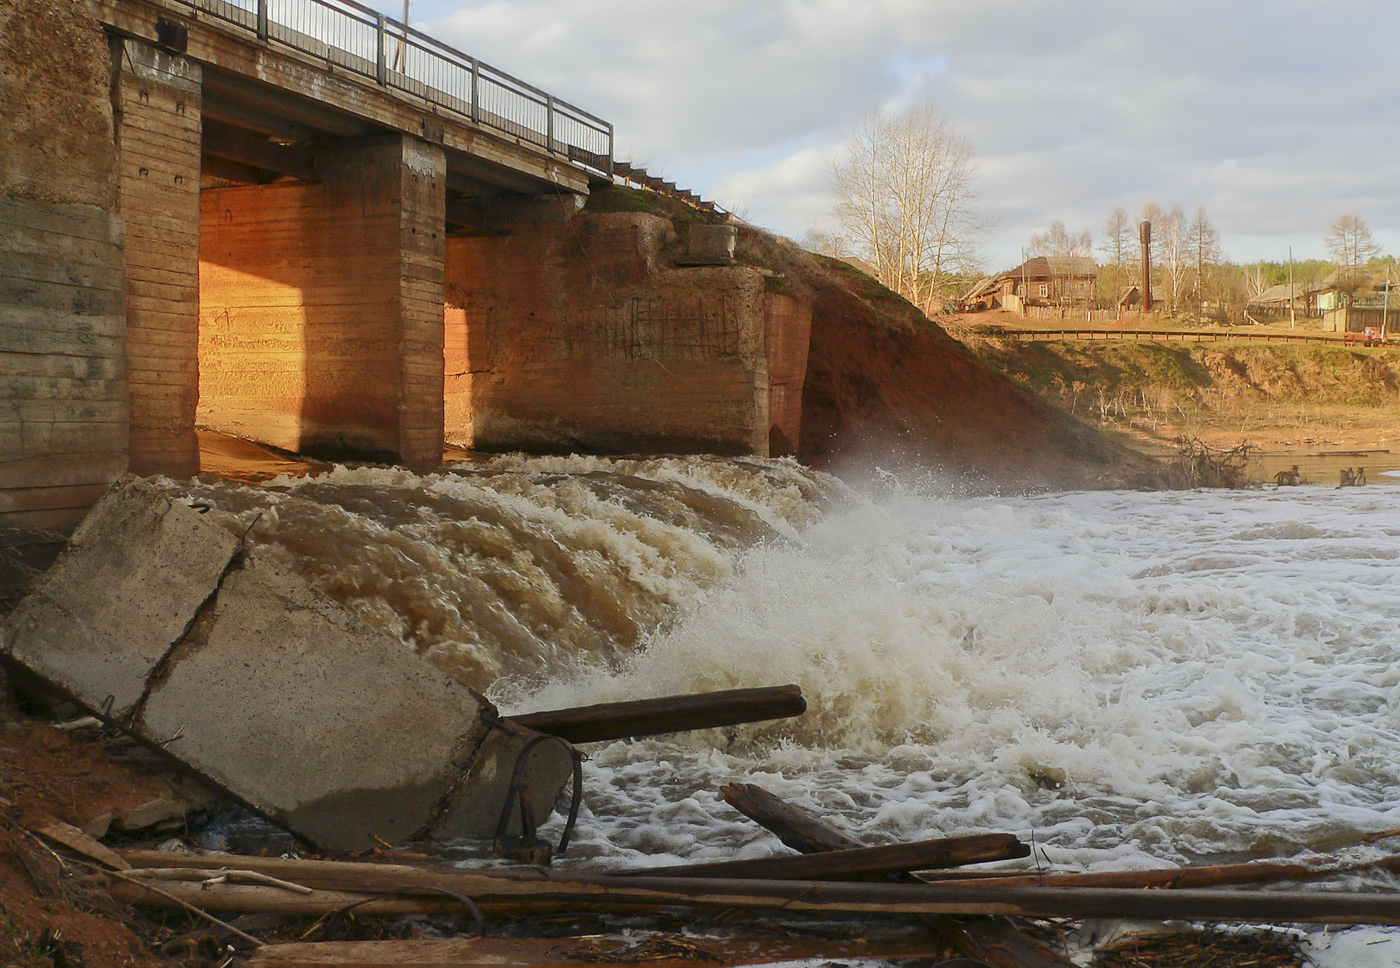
point(1276, 115)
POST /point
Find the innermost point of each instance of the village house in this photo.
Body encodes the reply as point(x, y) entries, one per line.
point(1045, 280)
point(1352, 301)
point(1299, 297)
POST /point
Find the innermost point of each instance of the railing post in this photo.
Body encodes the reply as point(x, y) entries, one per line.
point(609, 169)
point(476, 91)
point(381, 65)
point(262, 20)
point(549, 123)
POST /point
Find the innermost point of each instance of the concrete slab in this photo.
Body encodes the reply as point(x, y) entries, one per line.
point(265, 687)
point(311, 715)
point(121, 594)
point(477, 804)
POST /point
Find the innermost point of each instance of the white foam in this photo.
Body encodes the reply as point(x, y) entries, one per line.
point(1133, 679)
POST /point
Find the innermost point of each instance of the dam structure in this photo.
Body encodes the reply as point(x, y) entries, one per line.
point(306, 224)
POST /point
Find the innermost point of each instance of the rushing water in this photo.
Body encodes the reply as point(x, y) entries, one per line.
point(1129, 679)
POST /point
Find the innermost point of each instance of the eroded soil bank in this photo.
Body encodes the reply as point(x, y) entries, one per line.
point(1279, 397)
point(886, 387)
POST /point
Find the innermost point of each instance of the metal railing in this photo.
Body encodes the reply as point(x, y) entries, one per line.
point(358, 39)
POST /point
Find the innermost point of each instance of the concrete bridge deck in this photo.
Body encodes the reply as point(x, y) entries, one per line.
point(281, 76)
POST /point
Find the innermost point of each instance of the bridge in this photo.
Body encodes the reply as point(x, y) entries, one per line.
point(305, 223)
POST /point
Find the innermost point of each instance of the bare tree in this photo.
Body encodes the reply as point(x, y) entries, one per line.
point(1203, 241)
point(1117, 248)
point(1350, 244)
point(905, 199)
point(1058, 241)
point(1176, 258)
point(831, 244)
point(1256, 278)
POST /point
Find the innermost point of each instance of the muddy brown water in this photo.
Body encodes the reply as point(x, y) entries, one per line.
point(1324, 467)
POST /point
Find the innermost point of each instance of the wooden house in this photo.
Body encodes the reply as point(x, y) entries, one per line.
point(1300, 297)
point(1045, 280)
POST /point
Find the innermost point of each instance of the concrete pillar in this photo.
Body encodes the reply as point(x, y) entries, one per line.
point(321, 306)
point(63, 408)
point(158, 101)
point(579, 335)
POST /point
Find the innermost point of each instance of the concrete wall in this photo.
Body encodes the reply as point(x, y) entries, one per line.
point(158, 140)
point(581, 336)
point(63, 407)
point(321, 306)
point(787, 332)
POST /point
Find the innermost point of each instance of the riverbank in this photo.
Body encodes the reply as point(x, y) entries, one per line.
point(1278, 397)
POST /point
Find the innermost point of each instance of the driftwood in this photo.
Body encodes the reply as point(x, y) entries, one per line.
point(797, 828)
point(856, 862)
point(1259, 872)
point(996, 941)
point(598, 952)
point(517, 891)
point(669, 714)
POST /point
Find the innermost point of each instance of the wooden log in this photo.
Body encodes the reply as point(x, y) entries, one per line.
point(668, 714)
point(997, 941)
point(797, 828)
point(1259, 872)
point(511, 890)
point(598, 952)
point(856, 862)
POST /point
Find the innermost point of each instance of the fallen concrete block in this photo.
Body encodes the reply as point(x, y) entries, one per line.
point(125, 590)
point(223, 659)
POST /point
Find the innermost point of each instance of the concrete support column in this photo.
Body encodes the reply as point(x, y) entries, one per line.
point(63, 407)
point(158, 101)
point(322, 306)
point(422, 251)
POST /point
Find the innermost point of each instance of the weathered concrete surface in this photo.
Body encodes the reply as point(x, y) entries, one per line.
point(322, 307)
point(124, 592)
point(262, 685)
point(582, 335)
point(63, 409)
point(314, 717)
point(709, 245)
point(159, 95)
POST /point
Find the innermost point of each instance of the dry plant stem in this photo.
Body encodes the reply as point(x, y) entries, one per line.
point(120, 875)
point(216, 877)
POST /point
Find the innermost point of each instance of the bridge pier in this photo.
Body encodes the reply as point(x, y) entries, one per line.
point(157, 108)
point(321, 305)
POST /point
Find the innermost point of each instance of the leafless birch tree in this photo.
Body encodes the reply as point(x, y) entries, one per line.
point(1176, 255)
point(1203, 241)
point(1117, 249)
point(905, 199)
point(1057, 240)
point(1350, 244)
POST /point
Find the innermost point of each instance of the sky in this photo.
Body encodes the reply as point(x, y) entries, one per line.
point(1275, 116)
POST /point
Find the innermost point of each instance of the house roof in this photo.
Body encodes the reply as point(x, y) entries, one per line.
point(1335, 278)
point(1282, 293)
point(1047, 266)
point(984, 285)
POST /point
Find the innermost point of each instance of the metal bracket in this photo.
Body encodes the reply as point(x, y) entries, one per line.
point(528, 847)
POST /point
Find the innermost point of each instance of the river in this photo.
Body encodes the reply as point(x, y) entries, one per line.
point(1127, 679)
